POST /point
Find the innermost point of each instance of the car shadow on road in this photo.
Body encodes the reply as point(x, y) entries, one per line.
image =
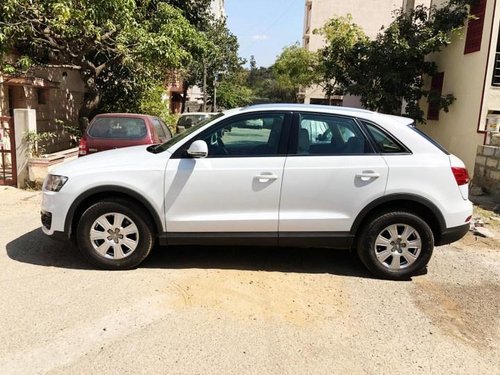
point(271, 259)
point(35, 248)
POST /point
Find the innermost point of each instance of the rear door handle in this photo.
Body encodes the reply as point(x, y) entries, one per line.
point(263, 177)
point(367, 175)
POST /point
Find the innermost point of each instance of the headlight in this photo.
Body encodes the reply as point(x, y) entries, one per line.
point(54, 182)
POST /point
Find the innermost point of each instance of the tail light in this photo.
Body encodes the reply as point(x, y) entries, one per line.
point(83, 148)
point(461, 175)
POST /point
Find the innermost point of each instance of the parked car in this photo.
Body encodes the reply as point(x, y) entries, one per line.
point(188, 119)
point(378, 186)
point(116, 130)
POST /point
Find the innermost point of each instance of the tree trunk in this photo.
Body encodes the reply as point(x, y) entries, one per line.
point(91, 100)
point(184, 96)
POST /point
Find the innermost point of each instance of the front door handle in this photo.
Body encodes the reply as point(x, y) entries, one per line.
point(264, 177)
point(367, 175)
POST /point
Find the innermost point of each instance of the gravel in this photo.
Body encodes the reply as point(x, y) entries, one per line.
point(240, 310)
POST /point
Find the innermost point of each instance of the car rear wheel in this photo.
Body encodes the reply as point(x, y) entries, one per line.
point(114, 235)
point(395, 245)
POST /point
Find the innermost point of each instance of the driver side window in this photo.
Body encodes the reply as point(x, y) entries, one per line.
point(256, 135)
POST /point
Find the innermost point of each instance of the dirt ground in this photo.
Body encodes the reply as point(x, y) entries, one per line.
point(241, 310)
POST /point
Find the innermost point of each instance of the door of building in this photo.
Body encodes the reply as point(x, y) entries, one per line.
point(8, 170)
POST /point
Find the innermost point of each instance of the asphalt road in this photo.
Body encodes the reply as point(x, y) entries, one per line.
point(240, 311)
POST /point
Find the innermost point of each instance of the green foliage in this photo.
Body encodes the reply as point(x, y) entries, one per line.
point(154, 102)
point(390, 70)
point(232, 91)
point(117, 45)
point(296, 67)
point(72, 130)
point(219, 58)
point(37, 142)
point(342, 36)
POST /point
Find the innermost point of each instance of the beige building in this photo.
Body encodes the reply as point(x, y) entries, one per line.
point(469, 68)
point(40, 101)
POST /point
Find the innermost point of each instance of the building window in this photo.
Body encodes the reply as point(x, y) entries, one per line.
point(43, 96)
point(475, 27)
point(496, 68)
point(435, 96)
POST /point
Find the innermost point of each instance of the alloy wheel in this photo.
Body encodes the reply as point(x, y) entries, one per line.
point(114, 235)
point(397, 246)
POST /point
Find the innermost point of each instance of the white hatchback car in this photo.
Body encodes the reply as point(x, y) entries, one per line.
point(314, 176)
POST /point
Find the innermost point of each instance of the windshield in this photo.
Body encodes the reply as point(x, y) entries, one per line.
point(178, 137)
point(118, 127)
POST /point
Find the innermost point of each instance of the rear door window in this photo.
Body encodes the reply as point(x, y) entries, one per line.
point(330, 135)
point(118, 128)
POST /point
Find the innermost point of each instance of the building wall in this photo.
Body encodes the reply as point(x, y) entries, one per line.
point(217, 7)
point(467, 77)
point(488, 169)
point(55, 94)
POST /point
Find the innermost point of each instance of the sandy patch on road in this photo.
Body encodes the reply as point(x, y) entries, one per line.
point(466, 312)
point(254, 295)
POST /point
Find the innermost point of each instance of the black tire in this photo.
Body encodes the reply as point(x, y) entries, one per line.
point(378, 225)
point(142, 235)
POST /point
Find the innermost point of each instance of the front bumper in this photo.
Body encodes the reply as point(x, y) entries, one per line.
point(46, 218)
point(453, 234)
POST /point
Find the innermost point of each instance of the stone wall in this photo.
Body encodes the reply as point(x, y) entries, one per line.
point(487, 168)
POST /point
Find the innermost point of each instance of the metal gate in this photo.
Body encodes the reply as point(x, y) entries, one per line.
point(8, 170)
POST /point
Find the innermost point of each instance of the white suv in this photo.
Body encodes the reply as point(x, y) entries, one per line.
point(314, 176)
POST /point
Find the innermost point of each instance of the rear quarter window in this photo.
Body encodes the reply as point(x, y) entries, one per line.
point(159, 128)
point(118, 128)
point(384, 142)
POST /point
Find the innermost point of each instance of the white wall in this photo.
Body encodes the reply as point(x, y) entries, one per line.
point(24, 121)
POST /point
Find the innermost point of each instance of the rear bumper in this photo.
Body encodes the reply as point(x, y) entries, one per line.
point(453, 234)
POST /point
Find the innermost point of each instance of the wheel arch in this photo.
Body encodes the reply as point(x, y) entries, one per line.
point(427, 210)
point(93, 195)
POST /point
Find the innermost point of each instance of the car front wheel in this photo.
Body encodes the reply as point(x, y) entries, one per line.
point(114, 235)
point(395, 245)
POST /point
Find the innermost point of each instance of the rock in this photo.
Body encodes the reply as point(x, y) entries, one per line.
point(483, 232)
point(479, 222)
point(495, 139)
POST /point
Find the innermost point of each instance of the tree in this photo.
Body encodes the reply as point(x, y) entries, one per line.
point(219, 58)
point(296, 67)
point(106, 41)
point(390, 70)
point(233, 92)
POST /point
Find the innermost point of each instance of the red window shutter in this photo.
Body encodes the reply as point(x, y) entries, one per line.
point(436, 90)
point(475, 27)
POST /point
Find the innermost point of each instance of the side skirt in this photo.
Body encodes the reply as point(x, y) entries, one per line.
point(336, 240)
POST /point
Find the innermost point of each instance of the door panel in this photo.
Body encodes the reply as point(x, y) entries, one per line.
point(236, 188)
point(223, 195)
point(325, 193)
point(330, 175)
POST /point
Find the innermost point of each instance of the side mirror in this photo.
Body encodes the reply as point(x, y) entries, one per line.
point(198, 149)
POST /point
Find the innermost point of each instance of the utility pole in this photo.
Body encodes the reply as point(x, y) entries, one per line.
point(204, 85)
point(215, 96)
